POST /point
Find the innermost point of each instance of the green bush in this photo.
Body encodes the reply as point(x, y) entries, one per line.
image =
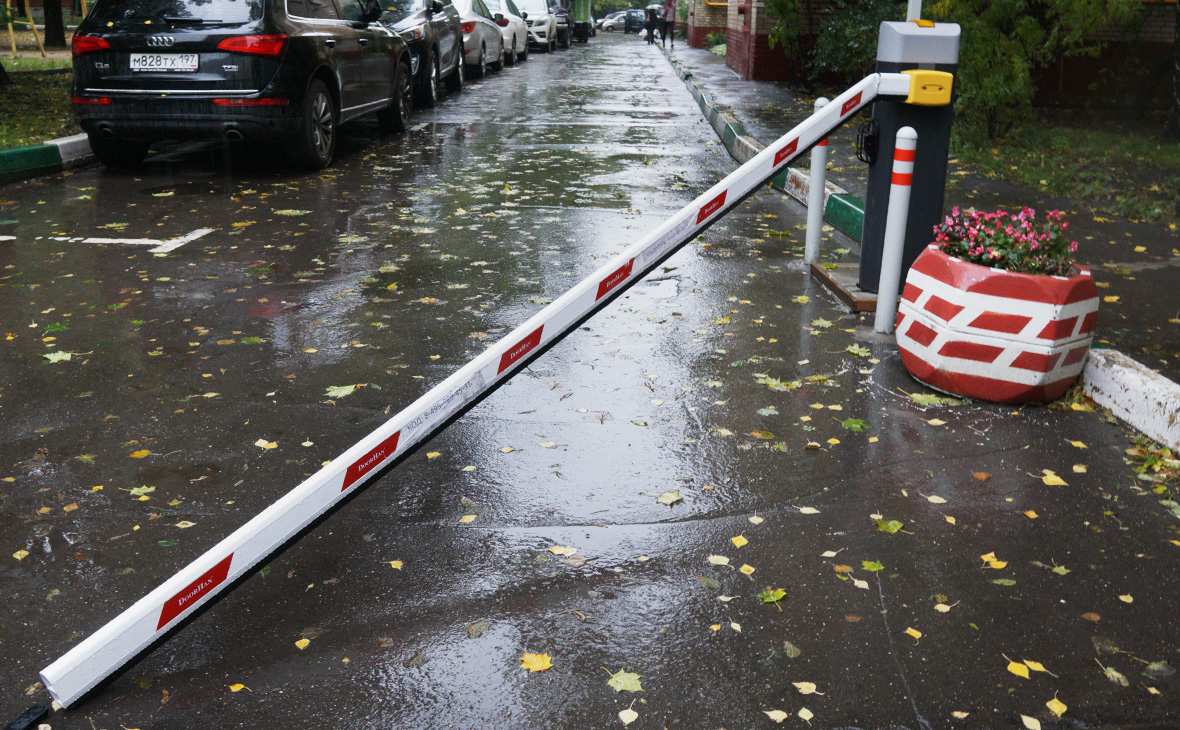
point(847, 42)
point(1006, 46)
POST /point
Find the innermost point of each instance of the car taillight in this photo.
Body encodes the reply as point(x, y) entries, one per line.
point(88, 44)
point(92, 100)
point(468, 27)
point(502, 22)
point(269, 101)
point(256, 45)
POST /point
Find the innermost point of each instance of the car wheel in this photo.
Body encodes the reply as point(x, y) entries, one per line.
point(510, 57)
point(396, 117)
point(429, 92)
point(118, 152)
point(565, 39)
point(552, 44)
point(524, 51)
point(499, 64)
point(455, 79)
point(314, 143)
point(480, 69)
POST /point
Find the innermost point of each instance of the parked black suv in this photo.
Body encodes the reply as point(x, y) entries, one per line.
point(269, 70)
point(634, 21)
point(431, 30)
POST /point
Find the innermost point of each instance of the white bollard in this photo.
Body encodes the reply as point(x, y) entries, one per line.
point(895, 224)
point(815, 194)
point(913, 10)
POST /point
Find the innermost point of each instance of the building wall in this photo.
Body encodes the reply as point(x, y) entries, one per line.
point(748, 50)
point(704, 19)
point(1125, 66)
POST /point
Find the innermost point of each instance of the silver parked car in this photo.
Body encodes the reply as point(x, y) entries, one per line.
point(483, 44)
point(511, 20)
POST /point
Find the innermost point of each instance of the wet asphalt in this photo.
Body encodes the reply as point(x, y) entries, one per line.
point(725, 377)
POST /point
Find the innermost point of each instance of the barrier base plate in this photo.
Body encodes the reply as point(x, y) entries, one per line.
point(842, 281)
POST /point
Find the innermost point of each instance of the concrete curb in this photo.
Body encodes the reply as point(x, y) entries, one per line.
point(1143, 398)
point(843, 211)
point(22, 163)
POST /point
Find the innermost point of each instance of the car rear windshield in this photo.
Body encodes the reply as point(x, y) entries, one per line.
point(533, 7)
point(202, 11)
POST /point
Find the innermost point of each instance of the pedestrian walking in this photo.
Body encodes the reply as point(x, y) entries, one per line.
point(669, 27)
point(651, 20)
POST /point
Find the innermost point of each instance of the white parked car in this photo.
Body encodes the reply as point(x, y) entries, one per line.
point(483, 44)
point(513, 28)
point(542, 23)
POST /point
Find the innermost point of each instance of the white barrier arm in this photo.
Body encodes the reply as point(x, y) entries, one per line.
point(154, 616)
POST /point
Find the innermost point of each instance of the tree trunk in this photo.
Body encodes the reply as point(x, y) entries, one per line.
point(1172, 129)
point(55, 27)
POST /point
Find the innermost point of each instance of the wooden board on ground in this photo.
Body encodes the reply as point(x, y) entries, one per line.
point(841, 281)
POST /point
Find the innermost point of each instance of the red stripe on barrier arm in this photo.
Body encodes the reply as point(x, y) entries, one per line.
point(618, 277)
point(193, 592)
point(520, 349)
point(786, 152)
point(903, 178)
point(711, 207)
point(901, 154)
point(822, 143)
point(850, 105)
point(369, 461)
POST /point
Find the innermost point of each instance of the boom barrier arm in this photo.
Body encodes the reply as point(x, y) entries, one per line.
point(155, 616)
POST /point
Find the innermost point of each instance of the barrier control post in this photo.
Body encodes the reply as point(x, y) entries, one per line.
point(930, 53)
point(815, 195)
point(895, 225)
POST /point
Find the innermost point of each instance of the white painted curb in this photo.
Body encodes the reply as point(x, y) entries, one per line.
point(74, 150)
point(1141, 397)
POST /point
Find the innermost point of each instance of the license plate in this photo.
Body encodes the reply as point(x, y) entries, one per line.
point(185, 62)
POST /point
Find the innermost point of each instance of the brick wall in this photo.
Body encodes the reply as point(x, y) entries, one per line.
point(748, 50)
point(704, 19)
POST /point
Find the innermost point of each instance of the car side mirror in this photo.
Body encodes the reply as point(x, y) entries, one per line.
point(524, 15)
point(437, 6)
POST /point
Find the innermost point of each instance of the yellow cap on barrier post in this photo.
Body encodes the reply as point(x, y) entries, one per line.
point(929, 88)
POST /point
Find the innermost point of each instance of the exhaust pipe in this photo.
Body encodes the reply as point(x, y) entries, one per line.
point(233, 135)
point(107, 133)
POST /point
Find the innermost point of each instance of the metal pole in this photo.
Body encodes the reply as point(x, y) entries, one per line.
point(913, 10)
point(895, 223)
point(815, 194)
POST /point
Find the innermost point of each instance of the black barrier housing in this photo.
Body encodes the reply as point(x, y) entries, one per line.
point(902, 47)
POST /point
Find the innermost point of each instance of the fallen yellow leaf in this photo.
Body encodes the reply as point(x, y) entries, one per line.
point(739, 540)
point(1035, 666)
point(1031, 514)
point(715, 627)
point(1126, 598)
point(936, 422)
point(746, 569)
point(302, 643)
point(395, 564)
point(1031, 723)
point(776, 715)
point(1056, 706)
point(535, 662)
point(1078, 444)
point(466, 519)
point(914, 633)
point(237, 687)
point(949, 519)
point(139, 454)
point(1020, 670)
point(735, 626)
point(433, 455)
point(21, 554)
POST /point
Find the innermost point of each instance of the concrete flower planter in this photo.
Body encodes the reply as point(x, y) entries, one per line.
point(993, 334)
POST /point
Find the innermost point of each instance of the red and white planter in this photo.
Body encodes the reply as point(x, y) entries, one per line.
point(992, 334)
